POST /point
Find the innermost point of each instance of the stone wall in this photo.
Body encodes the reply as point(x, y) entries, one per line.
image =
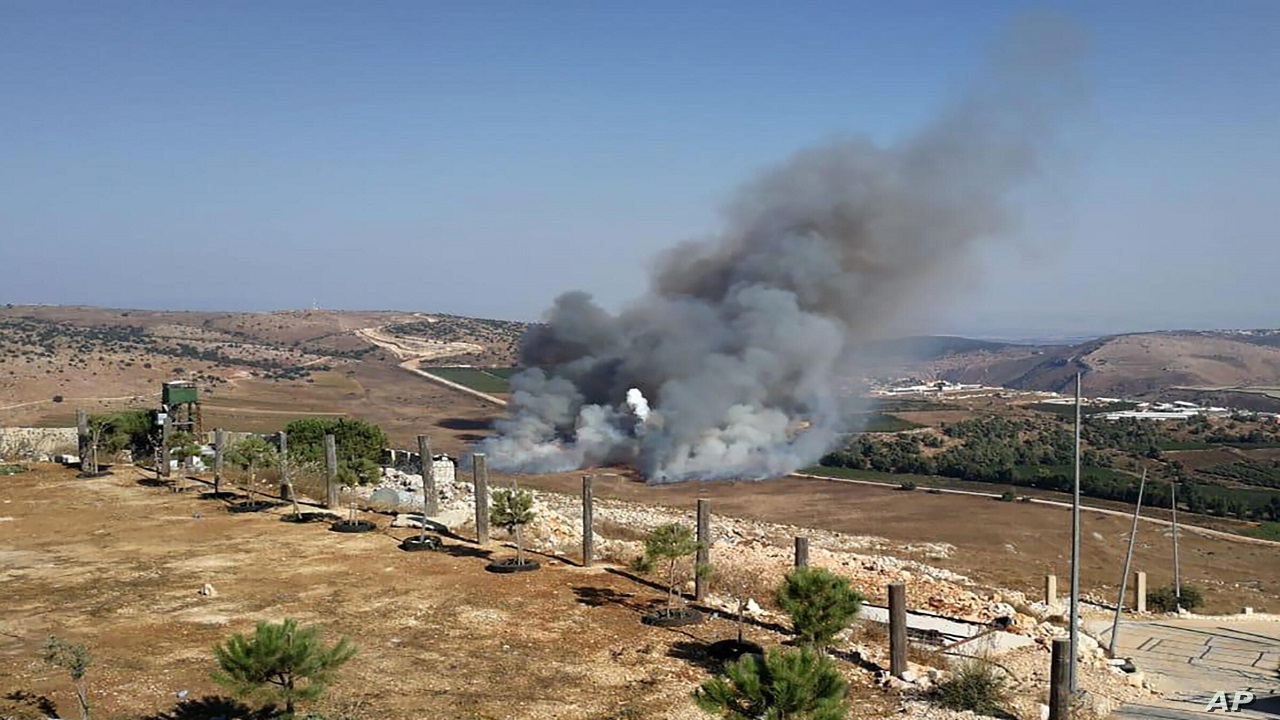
point(19, 443)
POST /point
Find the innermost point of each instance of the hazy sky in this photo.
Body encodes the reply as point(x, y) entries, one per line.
point(480, 158)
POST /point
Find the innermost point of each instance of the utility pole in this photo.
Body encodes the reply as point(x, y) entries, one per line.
point(1075, 555)
point(1177, 576)
point(1128, 558)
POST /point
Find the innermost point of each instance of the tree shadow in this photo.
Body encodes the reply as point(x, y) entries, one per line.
point(599, 597)
point(212, 707)
point(466, 551)
point(695, 653)
point(28, 701)
point(155, 482)
point(463, 424)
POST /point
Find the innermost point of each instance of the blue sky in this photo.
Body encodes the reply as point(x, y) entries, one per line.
point(480, 158)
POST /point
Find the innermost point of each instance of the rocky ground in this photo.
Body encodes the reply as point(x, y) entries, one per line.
point(751, 557)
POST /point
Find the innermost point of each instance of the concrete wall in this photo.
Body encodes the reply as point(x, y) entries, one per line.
point(18, 443)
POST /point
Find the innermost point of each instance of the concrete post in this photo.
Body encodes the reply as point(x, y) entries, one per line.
point(286, 488)
point(85, 442)
point(480, 476)
point(897, 629)
point(1140, 592)
point(703, 559)
point(330, 472)
point(1050, 590)
point(430, 496)
point(1060, 680)
point(219, 450)
point(588, 533)
point(802, 551)
point(166, 430)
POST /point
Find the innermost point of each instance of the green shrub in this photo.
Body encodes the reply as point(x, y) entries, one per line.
point(355, 439)
point(820, 604)
point(908, 485)
point(976, 686)
point(1008, 496)
point(280, 661)
point(788, 683)
point(1164, 599)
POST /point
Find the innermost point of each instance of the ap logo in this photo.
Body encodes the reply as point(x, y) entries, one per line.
point(1239, 699)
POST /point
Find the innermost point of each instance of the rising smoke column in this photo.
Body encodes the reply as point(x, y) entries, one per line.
point(736, 351)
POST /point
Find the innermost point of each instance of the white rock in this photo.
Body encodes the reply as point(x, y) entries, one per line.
point(208, 590)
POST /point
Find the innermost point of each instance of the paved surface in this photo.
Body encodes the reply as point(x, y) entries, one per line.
point(1190, 660)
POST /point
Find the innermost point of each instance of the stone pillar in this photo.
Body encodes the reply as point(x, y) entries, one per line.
point(286, 489)
point(1140, 592)
point(1051, 590)
point(166, 430)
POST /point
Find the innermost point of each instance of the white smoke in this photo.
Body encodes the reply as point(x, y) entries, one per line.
point(743, 339)
point(638, 404)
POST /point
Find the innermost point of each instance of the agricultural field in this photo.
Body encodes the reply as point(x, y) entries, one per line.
point(486, 380)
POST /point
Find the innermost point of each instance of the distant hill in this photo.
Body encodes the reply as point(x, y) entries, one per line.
point(932, 347)
point(1130, 365)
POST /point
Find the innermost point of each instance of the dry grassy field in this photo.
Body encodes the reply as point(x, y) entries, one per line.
point(119, 565)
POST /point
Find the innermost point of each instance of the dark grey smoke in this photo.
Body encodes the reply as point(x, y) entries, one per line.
point(742, 340)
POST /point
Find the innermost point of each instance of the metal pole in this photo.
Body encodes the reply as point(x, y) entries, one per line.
point(1177, 576)
point(1128, 558)
point(897, 629)
point(1060, 680)
point(480, 475)
point(704, 549)
point(1074, 614)
point(588, 511)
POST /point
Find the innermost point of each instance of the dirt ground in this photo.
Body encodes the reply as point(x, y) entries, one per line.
point(1010, 545)
point(118, 566)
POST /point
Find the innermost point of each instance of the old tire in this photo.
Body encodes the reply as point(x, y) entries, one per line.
point(673, 618)
point(349, 526)
point(729, 650)
point(417, 544)
point(509, 565)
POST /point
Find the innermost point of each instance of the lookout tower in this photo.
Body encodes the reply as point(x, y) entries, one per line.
point(181, 402)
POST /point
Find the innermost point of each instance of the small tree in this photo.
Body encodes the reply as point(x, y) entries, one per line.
point(76, 660)
point(669, 543)
point(252, 455)
point(183, 446)
point(357, 471)
point(511, 509)
point(1166, 599)
point(820, 604)
point(737, 581)
point(280, 661)
point(784, 684)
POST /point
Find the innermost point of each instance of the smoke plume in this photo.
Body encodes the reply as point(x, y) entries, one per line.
point(743, 338)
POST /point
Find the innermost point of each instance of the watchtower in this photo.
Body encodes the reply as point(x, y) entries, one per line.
point(181, 402)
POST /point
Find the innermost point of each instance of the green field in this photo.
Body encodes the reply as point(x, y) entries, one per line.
point(486, 380)
point(881, 422)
